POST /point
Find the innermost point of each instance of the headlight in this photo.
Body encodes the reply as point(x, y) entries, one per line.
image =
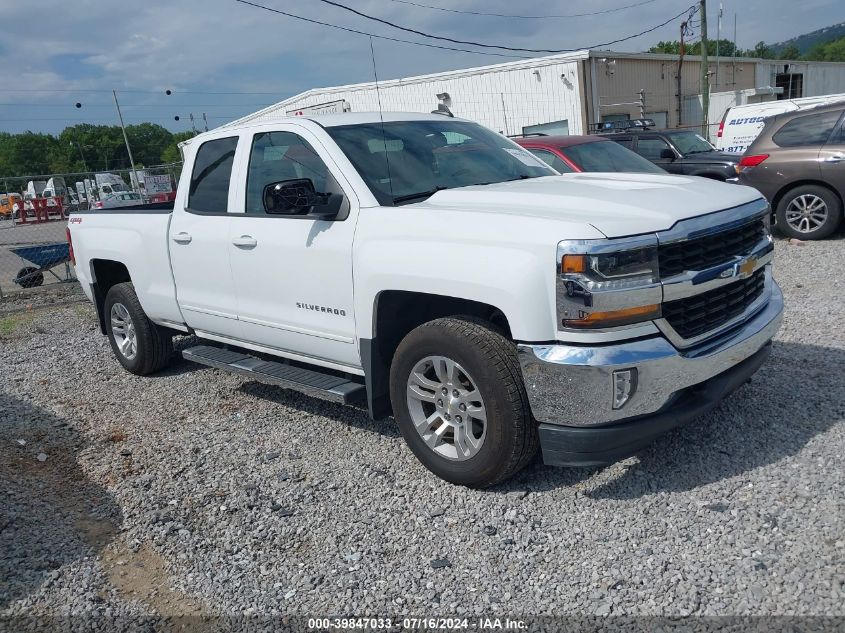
point(602, 286)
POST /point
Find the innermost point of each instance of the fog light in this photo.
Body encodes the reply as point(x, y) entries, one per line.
point(624, 386)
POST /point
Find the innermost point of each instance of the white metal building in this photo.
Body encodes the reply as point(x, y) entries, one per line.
point(563, 93)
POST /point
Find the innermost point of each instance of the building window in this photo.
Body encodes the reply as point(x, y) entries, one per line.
point(792, 84)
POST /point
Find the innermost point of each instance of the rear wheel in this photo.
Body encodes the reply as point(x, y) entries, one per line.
point(460, 403)
point(32, 278)
point(809, 212)
point(141, 346)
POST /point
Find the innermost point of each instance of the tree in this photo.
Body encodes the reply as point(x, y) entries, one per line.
point(832, 51)
point(760, 50)
point(148, 141)
point(171, 152)
point(726, 48)
point(790, 52)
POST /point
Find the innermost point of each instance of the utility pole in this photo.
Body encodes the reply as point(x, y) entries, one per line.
point(718, 40)
point(705, 74)
point(126, 140)
point(680, 69)
point(733, 73)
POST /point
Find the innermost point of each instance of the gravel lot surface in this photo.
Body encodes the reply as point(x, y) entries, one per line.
point(200, 492)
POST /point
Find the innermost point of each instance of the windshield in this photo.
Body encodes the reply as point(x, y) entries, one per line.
point(690, 143)
point(609, 156)
point(407, 161)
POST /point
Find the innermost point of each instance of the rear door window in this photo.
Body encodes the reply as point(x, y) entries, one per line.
point(209, 192)
point(812, 129)
point(651, 148)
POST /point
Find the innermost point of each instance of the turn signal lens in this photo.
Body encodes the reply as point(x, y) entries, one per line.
point(573, 264)
point(615, 318)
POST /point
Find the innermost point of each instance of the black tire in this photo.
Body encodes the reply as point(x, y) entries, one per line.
point(511, 439)
point(33, 281)
point(153, 343)
point(828, 226)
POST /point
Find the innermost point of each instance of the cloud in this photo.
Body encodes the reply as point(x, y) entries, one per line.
point(195, 47)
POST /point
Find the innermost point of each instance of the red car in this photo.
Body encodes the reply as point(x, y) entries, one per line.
point(586, 153)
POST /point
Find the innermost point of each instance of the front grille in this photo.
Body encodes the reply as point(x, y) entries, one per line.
point(702, 313)
point(703, 252)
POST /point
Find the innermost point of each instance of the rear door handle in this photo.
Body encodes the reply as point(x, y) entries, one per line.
point(245, 241)
point(836, 158)
point(182, 238)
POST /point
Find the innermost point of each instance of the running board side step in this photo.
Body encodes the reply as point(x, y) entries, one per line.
point(313, 383)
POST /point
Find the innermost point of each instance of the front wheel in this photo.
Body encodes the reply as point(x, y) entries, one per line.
point(141, 346)
point(809, 212)
point(460, 403)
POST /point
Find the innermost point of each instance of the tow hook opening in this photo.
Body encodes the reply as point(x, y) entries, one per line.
point(624, 386)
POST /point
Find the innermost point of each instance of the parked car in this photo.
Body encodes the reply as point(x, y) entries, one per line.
point(586, 153)
point(115, 200)
point(740, 125)
point(798, 163)
point(10, 204)
point(441, 273)
point(682, 152)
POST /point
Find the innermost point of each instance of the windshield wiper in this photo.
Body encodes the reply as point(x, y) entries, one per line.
point(420, 194)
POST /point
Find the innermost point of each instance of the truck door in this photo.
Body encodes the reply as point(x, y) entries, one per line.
point(293, 271)
point(199, 242)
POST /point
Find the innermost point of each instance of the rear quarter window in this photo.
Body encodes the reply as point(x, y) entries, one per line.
point(209, 191)
point(811, 129)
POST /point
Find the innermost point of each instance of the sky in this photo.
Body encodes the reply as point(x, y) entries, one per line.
point(227, 59)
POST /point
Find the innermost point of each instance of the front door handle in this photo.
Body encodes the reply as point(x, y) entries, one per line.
point(182, 238)
point(245, 241)
point(836, 158)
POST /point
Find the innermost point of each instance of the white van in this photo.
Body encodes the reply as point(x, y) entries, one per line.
point(741, 124)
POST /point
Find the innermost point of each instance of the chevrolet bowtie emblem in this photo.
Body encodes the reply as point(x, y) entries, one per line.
point(747, 267)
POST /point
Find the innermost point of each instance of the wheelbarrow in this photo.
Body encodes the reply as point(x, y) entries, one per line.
point(43, 258)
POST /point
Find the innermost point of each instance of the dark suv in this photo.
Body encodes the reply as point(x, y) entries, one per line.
point(679, 152)
point(798, 163)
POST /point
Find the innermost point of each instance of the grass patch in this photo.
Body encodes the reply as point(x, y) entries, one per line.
point(15, 324)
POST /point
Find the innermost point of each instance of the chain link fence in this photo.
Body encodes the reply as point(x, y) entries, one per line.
point(34, 210)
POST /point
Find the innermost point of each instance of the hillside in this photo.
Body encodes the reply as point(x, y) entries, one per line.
point(807, 41)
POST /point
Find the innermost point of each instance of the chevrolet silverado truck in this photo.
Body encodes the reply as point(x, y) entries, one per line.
point(440, 273)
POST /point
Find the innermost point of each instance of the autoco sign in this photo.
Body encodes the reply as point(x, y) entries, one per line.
point(158, 184)
point(332, 107)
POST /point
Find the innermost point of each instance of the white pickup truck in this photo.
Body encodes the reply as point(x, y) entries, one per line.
point(438, 272)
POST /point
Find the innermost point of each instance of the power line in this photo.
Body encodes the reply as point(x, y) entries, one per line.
point(525, 17)
point(143, 105)
point(508, 48)
point(155, 92)
point(381, 37)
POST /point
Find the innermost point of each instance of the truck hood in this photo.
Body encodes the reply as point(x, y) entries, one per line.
point(617, 205)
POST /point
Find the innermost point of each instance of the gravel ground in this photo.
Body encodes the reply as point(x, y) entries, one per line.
point(199, 492)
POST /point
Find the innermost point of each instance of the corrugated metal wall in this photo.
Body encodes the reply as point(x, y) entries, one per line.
point(507, 97)
point(619, 80)
point(504, 100)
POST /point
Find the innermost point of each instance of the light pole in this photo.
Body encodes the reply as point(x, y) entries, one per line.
point(81, 155)
point(126, 140)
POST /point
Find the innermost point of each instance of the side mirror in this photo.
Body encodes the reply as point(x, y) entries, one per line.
point(298, 197)
point(667, 154)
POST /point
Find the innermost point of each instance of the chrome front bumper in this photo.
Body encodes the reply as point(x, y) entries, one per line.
point(573, 385)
